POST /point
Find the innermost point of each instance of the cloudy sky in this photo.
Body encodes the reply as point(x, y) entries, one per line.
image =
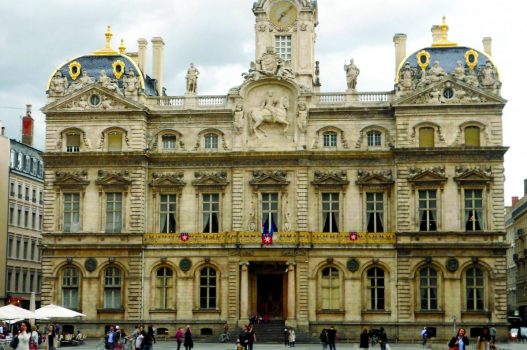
point(218, 36)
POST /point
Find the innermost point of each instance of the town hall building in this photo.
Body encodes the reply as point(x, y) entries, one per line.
point(353, 209)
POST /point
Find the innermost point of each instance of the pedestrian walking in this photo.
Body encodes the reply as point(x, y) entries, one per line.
point(179, 337)
point(373, 337)
point(286, 337)
point(364, 339)
point(292, 338)
point(485, 341)
point(383, 339)
point(252, 337)
point(423, 335)
point(189, 344)
point(50, 340)
point(492, 330)
point(139, 339)
point(324, 338)
point(110, 339)
point(460, 341)
point(332, 338)
point(244, 337)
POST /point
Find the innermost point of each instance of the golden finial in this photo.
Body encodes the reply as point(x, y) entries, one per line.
point(122, 48)
point(444, 42)
point(108, 48)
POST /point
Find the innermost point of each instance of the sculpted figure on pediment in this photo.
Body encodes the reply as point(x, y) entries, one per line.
point(58, 85)
point(81, 82)
point(436, 72)
point(131, 84)
point(107, 82)
point(272, 110)
point(459, 71)
point(488, 77)
point(270, 64)
point(238, 118)
point(406, 77)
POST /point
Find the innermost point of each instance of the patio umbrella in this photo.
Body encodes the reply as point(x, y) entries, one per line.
point(55, 311)
point(12, 312)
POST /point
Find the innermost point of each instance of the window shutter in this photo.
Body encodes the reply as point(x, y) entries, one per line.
point(115, 142)
point(426, 137)
point(472, 136)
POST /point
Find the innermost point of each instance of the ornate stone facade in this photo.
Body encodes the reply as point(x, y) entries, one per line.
point(366, 195)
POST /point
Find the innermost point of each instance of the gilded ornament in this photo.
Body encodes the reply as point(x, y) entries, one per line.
point(74, 70)
point(423, 59)
point(118, 68)
point(471, 59)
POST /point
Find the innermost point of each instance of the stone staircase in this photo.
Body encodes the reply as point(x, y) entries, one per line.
point(273, 332)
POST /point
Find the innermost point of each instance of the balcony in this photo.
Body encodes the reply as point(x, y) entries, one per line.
point(279, 238)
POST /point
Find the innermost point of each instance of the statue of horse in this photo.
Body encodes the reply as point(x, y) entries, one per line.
point(276, 114)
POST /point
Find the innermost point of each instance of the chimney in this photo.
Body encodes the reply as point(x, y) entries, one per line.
point(525, 187)
point(515, 200)
point(436, 33)
point(399, 41)
point(487, 45)
point(27, 127)
point(142, 43)
point(157, 65)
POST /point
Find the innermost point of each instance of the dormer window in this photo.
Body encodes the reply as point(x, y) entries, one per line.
point(169, 142)
point(330, 139)
point(73, 143)
point(374, 138)
point(211, 142)
point(115, 141)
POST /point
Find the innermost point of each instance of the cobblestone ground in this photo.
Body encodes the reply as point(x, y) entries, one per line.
point(91, 344)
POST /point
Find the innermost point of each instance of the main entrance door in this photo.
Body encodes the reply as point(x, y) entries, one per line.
point(270, 295)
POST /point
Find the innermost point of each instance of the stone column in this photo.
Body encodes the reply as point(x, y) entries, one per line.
point(291, 296)
point(244, 292)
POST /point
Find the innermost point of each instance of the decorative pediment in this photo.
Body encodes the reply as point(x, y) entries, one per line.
point(449, 91)
point(330, 179)
point(269, 178)
point(427, 176)
point(210, 179)
point(93, 97)
point(74, 179)
point(113, 179)
point(476, 176)
point(167, 180)
point(377, 179)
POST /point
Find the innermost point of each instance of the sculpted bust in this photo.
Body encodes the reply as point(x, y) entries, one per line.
point(58, 85)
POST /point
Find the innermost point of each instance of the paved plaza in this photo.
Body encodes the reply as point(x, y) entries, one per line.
point(91, 344)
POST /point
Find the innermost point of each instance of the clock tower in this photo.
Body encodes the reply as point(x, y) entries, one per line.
point(288, 26)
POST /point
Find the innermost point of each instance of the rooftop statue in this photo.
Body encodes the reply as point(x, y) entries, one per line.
point(84, 80)
point(107, 82)
point(131, 84)
point(352, 73)
point(192, 79)
point(58, 85)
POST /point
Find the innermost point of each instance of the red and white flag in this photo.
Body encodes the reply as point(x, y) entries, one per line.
point(267, 239)
point(184, 236)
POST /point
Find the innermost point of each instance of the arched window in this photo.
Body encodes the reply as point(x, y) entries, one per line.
point(164, 294)
point(330, 139)
point(428, 288)
point(475, 290)
point(426, 137)
point(73, 143)
point(207, 288)
point(112, 288)
point(211, 141)
point(70, 288)
point(472, 136)
point(376, 287)
point(374, 138)
point(330, 289)
point(169, 142)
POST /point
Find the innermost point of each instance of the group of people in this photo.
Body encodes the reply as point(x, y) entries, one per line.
point(328, 338)
point(289, 337)
point(486, 340)
point(372, 337)
point(246, 338)
point(184, 337)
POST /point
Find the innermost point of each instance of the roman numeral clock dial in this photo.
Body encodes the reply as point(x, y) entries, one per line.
point(283, 14)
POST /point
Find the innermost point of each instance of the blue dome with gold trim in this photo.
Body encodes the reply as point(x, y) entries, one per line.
point(115, 64)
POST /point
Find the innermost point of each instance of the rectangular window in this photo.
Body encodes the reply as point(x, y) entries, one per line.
point(18, 245)
point(112, 288)
point(34, 220)
point(169, 142)
point(114, 211)
point(34, 197)
point(330, 212)
point(71, 212)
point(9, 278)
point(10, 247)
point(269, 212)
point(27, 194)
point(39, 283)
point(26, 217)
point(31, 282)
point(428, 288)
point(472, 136)
point(26, 245)
point(330, 139)
point(19, 191)
point(426, 137)
point(40, 222)
point(283, 47)
point(115, 142)
point(33, 246)
point(211, 212)
point(473, 210)
point(19, 216)
point(73, 143)
point(17, 281)
point(12, 189)
point(374, 211)
point(11, 215)
point(211, 141)
point(24, 281)
point(41, 197)
point(427, 210)
point(167, 212)
point(374, 138)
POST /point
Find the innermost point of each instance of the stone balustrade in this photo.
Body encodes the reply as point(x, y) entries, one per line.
point(279, 238)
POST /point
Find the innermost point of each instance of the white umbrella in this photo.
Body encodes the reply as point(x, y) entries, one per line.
point(55, 311)
point(12, 312)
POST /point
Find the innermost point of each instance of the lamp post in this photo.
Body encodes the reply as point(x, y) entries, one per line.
point(454, 324)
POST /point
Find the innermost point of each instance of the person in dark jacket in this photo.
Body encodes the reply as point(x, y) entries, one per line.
point(332, 338)
point(286, 337)
point(244, 337)
point(383, 339)
point(324, 339)
point(364, 339)
point(460, 340)
point(189, 344)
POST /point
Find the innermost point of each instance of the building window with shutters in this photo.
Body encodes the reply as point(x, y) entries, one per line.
point(207, 288)
point(70, 288)
point(270, 212)
point(73, 143)
point(164, 292)
point(427, 210)
point(330, 212)
point(330, 288)
point(376, 287)
point(428, 288)
point(112, 288)
point(472, 136)
point(114, 212)
point(167, 213)
point(426, 137)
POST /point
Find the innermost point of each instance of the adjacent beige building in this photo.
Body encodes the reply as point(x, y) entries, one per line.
point(518, 223)
point(4, 176)
point(383, 208)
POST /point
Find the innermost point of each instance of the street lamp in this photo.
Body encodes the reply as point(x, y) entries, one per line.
point(454, 324)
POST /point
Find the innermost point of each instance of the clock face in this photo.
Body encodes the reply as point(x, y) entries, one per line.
point(283, 14)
